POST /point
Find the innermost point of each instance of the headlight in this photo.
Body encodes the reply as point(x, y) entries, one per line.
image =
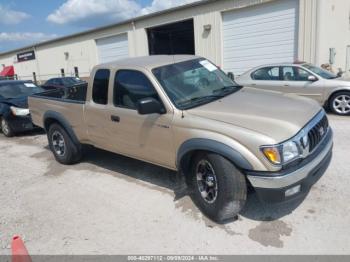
point(282, 153)
point(290, 151)
point(19, 111)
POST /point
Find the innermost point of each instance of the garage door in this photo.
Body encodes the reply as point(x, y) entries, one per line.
point(259, 35)
point(112, 48)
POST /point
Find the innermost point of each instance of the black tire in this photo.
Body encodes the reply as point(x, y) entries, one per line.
point(231, 188)
point(68, 153)
point(6, 129)
point(340, 96)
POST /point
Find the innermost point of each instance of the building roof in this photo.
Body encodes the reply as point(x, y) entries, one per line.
point(148, 62)
point(135, 19)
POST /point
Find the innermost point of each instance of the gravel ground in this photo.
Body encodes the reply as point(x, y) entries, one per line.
point(111, 204)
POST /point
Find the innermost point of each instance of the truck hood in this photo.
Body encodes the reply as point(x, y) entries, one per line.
point(276, 115)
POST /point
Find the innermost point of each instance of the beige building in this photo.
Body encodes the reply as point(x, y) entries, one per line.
point(235, 34)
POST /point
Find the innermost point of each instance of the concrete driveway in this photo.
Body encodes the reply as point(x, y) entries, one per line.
point(111, 204)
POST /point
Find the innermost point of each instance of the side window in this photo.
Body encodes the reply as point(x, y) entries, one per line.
point(100, 87)
point(266, 73)
point(288, 73)
point(54, 81)
point(131, 86)
point(301, 74)
point(294, 73)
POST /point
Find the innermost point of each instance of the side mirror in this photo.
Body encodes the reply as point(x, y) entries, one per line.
point(149, 105)
point(312, 78)
point(231, 75)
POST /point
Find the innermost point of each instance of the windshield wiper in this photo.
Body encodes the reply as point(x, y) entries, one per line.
point(225, 90)
point(200, 99)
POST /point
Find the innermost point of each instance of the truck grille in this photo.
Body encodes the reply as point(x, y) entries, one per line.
point(317, 133)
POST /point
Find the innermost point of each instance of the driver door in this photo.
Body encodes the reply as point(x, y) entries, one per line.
point(296, 81)
point(146, 137)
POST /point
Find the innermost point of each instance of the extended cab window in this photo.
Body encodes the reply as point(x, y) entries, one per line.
point(131, 86)
point(100, 87)
point(266, 73)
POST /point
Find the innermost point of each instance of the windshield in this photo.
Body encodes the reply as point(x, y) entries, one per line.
point(321, 72)
point(195, 82)
point(16, 90)
point(71, 81)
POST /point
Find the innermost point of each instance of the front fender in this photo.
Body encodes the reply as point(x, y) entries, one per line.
point(338, 89)
point(203, 144)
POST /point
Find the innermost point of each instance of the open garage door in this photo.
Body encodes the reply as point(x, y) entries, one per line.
point(260, 35)
point(171, 39)
point(112, 48)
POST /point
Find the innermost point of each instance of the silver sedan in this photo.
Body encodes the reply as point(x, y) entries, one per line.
point(302, 79)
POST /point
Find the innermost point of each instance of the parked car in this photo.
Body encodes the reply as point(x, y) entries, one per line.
point(61, 82)
point(220, 136)
point(302, 79)
point(14, 112)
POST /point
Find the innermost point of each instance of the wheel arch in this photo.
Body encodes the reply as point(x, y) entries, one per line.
point(337, 90)
point(188, 149)
point(51, 117)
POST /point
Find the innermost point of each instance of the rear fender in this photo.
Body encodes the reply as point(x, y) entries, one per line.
point(55, 117)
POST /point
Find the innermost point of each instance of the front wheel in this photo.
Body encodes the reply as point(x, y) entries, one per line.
point(218, 188)
point(6, 129)
point(64, 149)
point(340, 103)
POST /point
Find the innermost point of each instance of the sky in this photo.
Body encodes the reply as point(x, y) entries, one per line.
point(23, 22)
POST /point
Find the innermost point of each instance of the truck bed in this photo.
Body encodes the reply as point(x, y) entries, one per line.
point(69, 103)
point(75, 93)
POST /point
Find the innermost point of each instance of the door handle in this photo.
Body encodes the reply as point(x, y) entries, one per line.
point(115, 118)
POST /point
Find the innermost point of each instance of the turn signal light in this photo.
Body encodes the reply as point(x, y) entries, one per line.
point(272, 154)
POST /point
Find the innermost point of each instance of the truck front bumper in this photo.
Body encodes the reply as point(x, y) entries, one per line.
point(295, 182)
point(21, 123)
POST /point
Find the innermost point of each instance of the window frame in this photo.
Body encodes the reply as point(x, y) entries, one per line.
point(115, 89)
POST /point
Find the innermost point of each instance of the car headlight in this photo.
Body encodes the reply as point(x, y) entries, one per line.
point(282, 153)
point(19, 111)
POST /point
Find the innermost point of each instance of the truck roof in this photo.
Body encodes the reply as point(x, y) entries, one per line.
point(148, 62)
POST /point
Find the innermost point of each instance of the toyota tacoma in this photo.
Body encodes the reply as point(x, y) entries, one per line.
point(183, 113)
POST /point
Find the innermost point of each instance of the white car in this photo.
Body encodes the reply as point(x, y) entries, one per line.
point(302, 79)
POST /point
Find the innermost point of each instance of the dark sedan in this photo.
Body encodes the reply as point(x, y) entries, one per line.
point(14, 112)
point(61, 82)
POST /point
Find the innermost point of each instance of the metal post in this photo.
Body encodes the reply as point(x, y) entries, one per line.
point(34, 78)
point(76, 71)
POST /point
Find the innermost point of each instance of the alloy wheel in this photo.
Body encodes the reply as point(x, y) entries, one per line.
point(341, 104)
point(58, 143)
point(5, 127)
point(207, 181)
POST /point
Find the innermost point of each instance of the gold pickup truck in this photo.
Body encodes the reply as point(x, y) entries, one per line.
point(185, 114)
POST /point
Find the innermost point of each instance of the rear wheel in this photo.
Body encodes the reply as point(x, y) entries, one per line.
point(340, 103)
point(218, 188)
point(62, 146)
point(6, 129)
